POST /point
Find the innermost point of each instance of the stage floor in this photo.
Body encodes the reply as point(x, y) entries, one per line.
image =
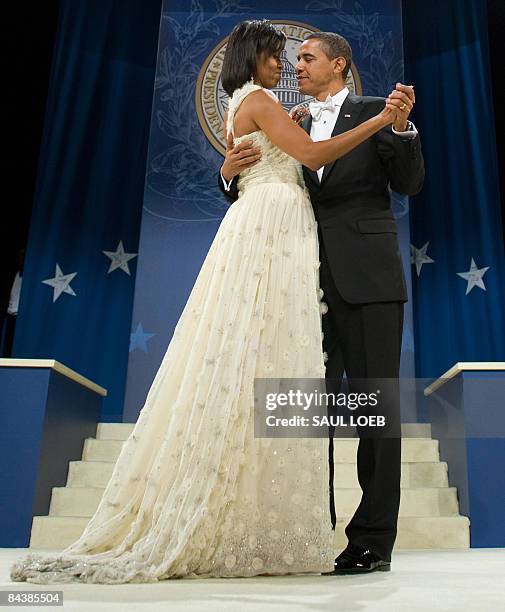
point(419, 581)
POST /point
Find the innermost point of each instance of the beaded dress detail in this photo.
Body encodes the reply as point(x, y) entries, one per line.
point(193, 492)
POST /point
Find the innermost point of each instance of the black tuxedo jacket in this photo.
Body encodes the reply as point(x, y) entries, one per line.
point(352, 206)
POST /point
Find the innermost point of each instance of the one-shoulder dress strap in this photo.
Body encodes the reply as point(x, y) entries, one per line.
point(236, 100)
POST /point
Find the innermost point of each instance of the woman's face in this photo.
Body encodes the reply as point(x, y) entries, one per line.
point(268, 69)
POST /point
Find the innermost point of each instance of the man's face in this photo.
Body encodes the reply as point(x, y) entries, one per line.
point(316, 73)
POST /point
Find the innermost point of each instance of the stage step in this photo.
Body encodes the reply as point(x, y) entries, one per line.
point(83, 501)
point(428, 512)
point(121, 431)
point(422, 474)
point(428, 532)
point(344, 450)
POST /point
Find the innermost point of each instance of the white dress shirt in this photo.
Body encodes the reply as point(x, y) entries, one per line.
point(323, 127)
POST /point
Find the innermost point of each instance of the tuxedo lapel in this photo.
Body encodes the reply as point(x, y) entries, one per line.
point(347, 119)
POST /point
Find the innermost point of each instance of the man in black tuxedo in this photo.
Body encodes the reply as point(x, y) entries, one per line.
point(361, 271)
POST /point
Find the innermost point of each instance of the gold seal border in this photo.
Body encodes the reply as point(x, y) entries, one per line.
point(215, 142)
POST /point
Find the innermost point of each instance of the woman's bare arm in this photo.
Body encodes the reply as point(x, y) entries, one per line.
point(270, 117)
point(238, 157)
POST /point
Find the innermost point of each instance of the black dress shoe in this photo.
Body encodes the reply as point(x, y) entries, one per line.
point(357, 560)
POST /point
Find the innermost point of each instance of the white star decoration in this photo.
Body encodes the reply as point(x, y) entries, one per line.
point(418, 257)
point(119, 259)
point(139, 338)
point(60, 283)
point(474, 277)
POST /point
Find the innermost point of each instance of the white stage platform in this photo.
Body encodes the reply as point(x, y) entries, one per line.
point(424, 581)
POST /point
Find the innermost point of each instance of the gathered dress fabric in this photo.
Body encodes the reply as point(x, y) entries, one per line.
point(194, 493)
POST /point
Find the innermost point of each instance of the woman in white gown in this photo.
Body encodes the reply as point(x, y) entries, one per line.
point(193, 492)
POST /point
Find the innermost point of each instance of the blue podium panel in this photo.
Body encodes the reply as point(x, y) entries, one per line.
point(468, 418)
point(46, 416)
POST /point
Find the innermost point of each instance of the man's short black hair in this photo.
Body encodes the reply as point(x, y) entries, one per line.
point(335, 46)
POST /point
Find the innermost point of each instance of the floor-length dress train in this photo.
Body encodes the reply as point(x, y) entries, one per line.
point(193, 492)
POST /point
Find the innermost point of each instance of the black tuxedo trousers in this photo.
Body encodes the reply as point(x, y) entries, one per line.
point(364, 340)
point(362, 277)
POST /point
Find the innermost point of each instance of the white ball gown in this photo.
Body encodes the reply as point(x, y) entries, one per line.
point(193, 492)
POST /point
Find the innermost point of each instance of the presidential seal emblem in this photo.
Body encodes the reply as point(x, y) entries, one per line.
point(212, 100)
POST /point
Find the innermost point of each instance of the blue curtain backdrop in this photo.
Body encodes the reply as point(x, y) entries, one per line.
point(182, 205)
point(89, 192)
point(457, 318)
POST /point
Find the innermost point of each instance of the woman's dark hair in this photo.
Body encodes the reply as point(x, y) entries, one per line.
point(247, 40)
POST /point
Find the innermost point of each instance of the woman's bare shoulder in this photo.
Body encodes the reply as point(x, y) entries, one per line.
point(262, 99)
point(272, 95)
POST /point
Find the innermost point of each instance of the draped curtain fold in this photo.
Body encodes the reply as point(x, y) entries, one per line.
point(459, 312)
point(89, 192)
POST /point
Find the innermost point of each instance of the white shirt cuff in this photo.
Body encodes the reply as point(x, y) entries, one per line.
point(409, 133)
point(227, 184)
